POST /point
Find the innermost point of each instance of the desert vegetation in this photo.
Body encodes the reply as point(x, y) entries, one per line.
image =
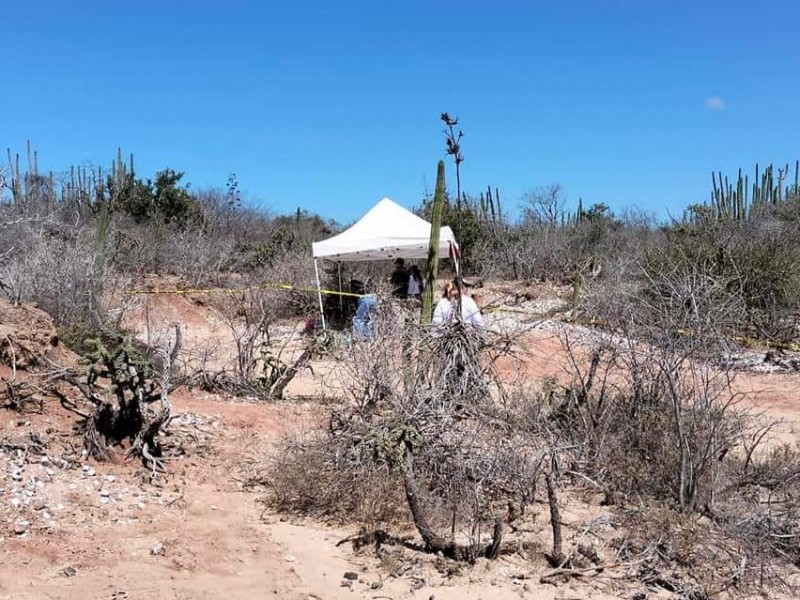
point(648, 428)
point(444, 446)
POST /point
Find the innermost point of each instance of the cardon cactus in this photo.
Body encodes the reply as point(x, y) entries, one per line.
point(432, 267)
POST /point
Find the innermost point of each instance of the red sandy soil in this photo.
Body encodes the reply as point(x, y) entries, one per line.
point(105, 531)
point(217, 539)
point(776, 395)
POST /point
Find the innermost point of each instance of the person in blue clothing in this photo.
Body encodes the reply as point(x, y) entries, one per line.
point(366, 312)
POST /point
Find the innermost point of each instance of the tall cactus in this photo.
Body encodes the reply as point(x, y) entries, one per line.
point(781, 178)
point(99, 263)
point(432, 267)
point(740, 200)
point(743, 202)
point(13, 164)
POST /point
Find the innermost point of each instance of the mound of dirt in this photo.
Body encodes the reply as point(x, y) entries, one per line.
point(28, 338)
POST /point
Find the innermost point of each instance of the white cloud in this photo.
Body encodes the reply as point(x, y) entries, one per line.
point(715, 103)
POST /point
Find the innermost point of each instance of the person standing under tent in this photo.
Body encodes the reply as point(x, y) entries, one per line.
point(366, 312)
point(415, 284)
point(399, 278)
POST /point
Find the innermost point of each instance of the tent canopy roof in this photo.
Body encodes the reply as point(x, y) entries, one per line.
point(387, 231)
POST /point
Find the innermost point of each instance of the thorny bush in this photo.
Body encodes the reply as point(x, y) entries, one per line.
point(426, 415)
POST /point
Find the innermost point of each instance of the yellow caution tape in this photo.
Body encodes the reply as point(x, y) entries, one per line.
point(768, 343)
point(266, 285)
point(793, 347)
point(748, 341)
point(517, 311)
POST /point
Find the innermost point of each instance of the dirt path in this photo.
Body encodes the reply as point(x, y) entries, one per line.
point(103, 531)
point(199, 536)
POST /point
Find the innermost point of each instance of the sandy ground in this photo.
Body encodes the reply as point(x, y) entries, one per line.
point(776, 395)
point(104, 531)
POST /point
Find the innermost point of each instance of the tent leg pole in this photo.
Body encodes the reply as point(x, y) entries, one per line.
point(341, 300)
point(319, 294)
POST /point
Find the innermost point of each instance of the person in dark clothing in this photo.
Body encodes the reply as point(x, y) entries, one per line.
point(399, 279)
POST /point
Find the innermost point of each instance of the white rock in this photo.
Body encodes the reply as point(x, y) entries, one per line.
point(110, 478)
point(104, 500)
point(140, 505)
point(157, 549)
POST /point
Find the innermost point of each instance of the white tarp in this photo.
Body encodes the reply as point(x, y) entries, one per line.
point(387, 231)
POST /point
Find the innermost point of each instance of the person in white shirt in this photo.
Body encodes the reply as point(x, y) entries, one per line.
point(444, 314)
point(415, 283)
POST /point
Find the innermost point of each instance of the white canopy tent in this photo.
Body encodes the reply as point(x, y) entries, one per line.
point(388, 231)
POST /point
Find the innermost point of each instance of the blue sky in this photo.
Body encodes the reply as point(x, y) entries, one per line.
point(332, 105)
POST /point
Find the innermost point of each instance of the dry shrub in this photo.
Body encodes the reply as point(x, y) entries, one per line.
point(701, 508)
point(740, 551)
point(259, 359)
point(673, 551)
point(705, 505)
point(760, 508)
point(421, 426)
point(648, 422)
point(294, 269)
point(308, 477)
point(54, 271)
point(52, 265)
